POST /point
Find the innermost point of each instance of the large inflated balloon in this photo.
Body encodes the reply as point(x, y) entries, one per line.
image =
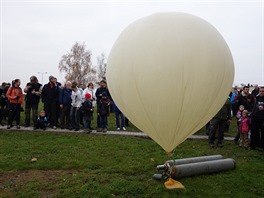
point(170, 73)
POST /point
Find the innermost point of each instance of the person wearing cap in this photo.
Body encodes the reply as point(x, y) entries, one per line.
point(87, 112)
point(49, 95)
point(32, 98)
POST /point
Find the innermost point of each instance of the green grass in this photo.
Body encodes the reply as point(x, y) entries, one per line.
point(86, 165)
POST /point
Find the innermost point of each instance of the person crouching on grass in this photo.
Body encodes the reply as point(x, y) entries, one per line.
point(103, 112)
point(15, 96)
point(75, 108)
point(41, 122)
point(88, 112)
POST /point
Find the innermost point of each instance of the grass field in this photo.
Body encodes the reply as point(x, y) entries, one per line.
point(89, 165)
point(86, 165)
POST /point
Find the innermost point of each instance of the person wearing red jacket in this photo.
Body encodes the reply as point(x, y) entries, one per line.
point(16, 99)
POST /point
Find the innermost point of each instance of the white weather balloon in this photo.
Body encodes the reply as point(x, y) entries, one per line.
point(170, 73)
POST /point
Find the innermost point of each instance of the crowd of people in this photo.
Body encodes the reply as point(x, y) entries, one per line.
point(248, 110)
point(71, 106)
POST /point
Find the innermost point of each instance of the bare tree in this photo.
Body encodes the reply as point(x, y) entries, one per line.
point(77, 64)
point(101, 62)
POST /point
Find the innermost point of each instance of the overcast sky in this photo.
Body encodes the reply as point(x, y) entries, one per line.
point(35, 34)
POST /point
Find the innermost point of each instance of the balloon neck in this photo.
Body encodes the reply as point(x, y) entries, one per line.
point(170, 155)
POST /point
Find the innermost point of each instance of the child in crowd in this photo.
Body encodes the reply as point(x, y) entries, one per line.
point(42, 121)
point(103, 112)
point(244, 123)
point(119, 116)
point(238, 116)
point(88, 112)
point(239, 112)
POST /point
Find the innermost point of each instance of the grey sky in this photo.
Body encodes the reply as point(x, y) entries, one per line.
point(35, 34)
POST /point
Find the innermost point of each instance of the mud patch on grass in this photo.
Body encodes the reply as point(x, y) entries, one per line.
point(36, 183)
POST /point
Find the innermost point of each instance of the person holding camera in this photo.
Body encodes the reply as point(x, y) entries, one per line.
point(33, 92)
point(16, 99)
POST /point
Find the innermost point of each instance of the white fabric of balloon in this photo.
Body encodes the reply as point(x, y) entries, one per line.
point(170, 73)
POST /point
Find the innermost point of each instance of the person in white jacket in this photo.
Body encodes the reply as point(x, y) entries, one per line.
point(75, 108)
point(90, 90)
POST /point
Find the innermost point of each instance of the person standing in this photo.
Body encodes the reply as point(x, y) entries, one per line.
point(242, 98)
point(33, 92)
point(255, 91)
point(119, 116)
point(99, 92)
point(87, 112)
point(219, 122)
point(90, 89)
point(257, 122)
point(49, 95)
point(76, 104)
point(244, 129)
point(238, 117)
point(16, 99)
point(103, 111)
point(234, 101)
point(65, 105)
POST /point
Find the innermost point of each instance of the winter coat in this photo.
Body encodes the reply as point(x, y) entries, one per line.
point(99, 93)
point(87, 108)
point(92, 93)
point(76, 97)
point(50, 93)
point(33, 98)
point(104, 106)
point(225, 112)
point(257, 114)
point(65, 97)
point(15, 95)
point(244, 125)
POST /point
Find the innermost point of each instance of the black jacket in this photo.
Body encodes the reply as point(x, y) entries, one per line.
point(33, 98)
point(50, 93)
point(99, 93)
point(257, 114)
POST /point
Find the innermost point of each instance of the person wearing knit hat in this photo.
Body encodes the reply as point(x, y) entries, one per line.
point(87, 112)
point(87, 96)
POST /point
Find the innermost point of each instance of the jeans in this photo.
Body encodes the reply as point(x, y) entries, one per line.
point(28, 108)
point(65, 116)
point(51, 111)
point(75, 117)
point(103, 121)
point(119, 116)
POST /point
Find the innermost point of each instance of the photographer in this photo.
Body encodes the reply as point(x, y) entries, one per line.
point(33, 91)
point(15, 96)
